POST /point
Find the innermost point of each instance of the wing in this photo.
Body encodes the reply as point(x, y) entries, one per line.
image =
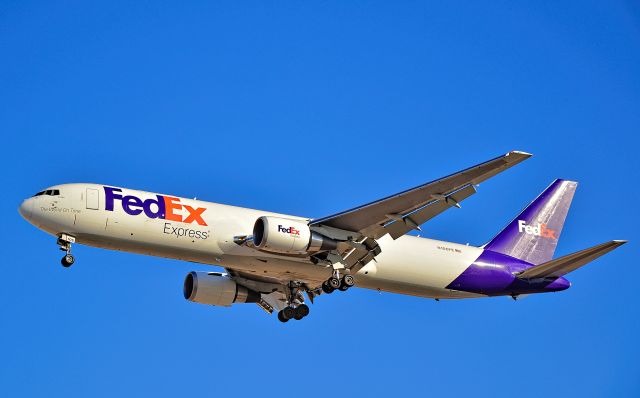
point(400, 213)
point(358, 228)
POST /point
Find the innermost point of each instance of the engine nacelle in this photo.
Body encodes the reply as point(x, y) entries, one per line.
point(216, 289)
point(286, 236)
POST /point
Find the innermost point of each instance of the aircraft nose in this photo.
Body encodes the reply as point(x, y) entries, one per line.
point(25, 209)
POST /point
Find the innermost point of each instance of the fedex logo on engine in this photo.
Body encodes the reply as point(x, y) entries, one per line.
point(164, 207)
point(539, 230)
point(289, 230)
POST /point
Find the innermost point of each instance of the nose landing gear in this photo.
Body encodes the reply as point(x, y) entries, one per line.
point(65, 241)
point(67, 261)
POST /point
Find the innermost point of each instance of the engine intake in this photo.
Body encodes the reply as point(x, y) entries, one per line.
point(282, 235)
point(216, 289)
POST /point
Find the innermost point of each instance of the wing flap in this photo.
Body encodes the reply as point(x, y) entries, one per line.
point(401, 224)
point(565, 264)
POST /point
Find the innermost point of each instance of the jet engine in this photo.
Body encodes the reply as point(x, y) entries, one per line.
point(286, 236)
point(216, 289)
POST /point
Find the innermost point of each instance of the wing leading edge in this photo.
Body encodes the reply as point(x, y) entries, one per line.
point(400, 213)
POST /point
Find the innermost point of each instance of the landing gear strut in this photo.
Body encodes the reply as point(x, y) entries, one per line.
point(65, 241)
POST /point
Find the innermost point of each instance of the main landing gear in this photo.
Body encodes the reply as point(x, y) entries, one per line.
point(296, 308)
point(65, 241)
point(337, 282)
point(291, 312)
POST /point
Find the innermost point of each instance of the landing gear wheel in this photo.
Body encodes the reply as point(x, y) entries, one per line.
point(348, 280)
point(326, 288)
point(343, 287)
point(288, 313)
point(67, 260)
point(64, 242)
point(334, 282)
point(301, 311)
point(281, 317)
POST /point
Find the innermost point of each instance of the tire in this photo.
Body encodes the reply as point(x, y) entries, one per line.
point(348, 280)
point(288, 313)
point(281, 317)
point(334, 282)
point(327, 289)
point(302, 310)
point(67, 261)
point(343, 288)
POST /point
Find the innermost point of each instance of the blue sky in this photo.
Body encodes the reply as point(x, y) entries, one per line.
point(310, 109)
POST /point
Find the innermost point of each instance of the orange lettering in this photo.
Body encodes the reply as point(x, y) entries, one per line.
point(194, 215)
point(170, 207)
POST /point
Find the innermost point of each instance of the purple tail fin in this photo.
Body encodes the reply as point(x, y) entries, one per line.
point(534, 234)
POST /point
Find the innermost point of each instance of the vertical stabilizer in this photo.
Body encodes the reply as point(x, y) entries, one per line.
point(533, 235)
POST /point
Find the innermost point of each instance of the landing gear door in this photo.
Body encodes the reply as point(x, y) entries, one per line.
point(92, 199)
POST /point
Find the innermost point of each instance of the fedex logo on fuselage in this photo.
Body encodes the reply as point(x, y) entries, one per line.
point(539, 230)
point(289, 230)
point(164, 207)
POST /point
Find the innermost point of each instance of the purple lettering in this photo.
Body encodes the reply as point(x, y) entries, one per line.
point(129, 203)
point(111, 195)
point(159, 203)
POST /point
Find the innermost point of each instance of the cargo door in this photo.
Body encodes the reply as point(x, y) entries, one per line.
point(92, 199)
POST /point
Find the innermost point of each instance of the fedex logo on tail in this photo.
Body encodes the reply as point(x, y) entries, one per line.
point(538, 230)
point(289, 230)
point(164, 207)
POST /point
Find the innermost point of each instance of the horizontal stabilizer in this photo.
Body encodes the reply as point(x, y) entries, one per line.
point(563, 265)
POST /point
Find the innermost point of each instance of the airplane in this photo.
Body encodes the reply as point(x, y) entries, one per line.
point(274, 260)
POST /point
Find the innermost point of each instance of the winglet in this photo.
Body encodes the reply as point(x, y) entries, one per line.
point(521, 153)
point(517, 156)
point(507, 160)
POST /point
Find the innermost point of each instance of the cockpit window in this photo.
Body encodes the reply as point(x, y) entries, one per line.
point(49, 192)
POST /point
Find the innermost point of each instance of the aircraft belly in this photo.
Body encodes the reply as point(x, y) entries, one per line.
point(411, 289)
point(285, 270)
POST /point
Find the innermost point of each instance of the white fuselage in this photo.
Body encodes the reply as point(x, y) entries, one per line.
point(408, 265)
